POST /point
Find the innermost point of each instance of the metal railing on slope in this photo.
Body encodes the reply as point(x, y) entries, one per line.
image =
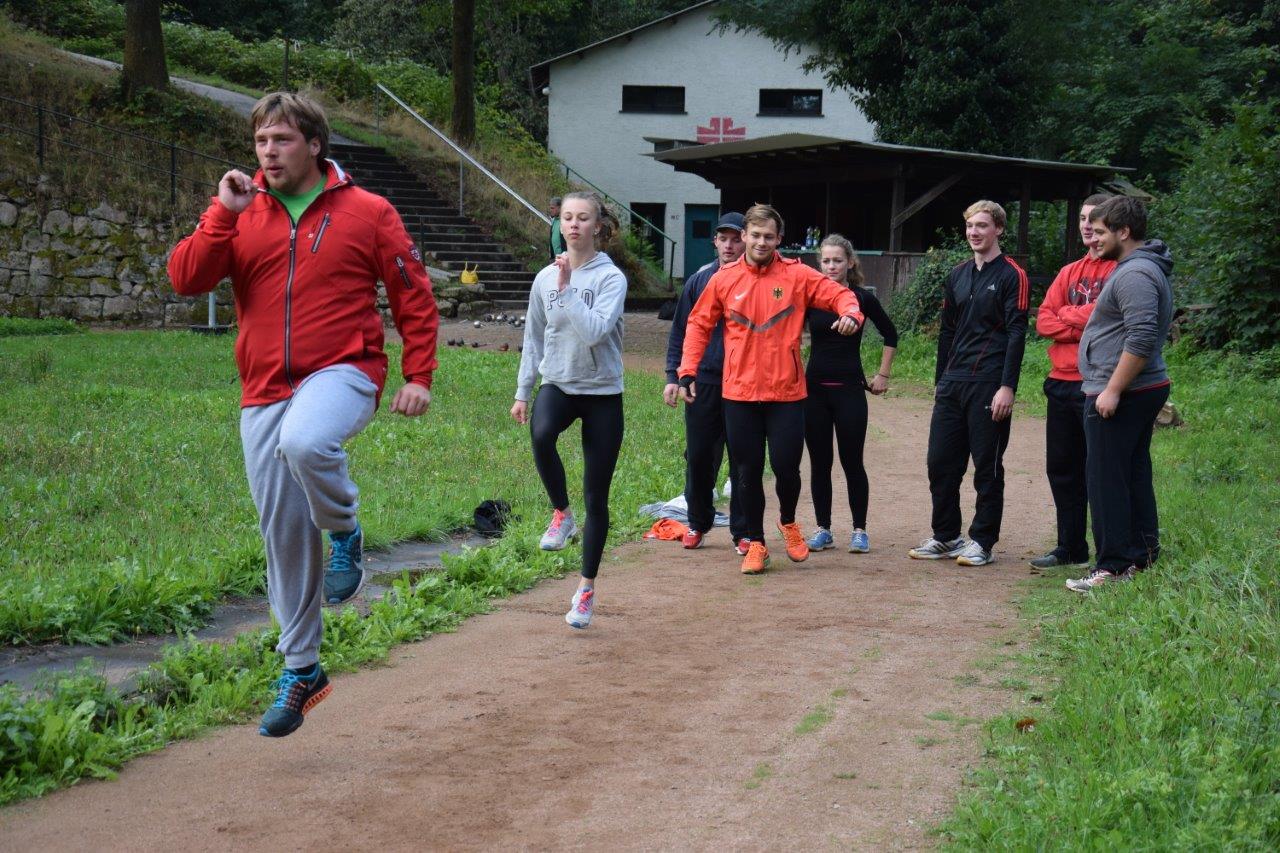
point(464, 159)
point(570, 174)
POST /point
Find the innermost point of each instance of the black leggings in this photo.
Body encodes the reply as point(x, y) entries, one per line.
point(750, 426)
point(840, 408)
point(554, 412)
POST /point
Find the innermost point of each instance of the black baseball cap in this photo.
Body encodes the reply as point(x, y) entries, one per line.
point(732, 220)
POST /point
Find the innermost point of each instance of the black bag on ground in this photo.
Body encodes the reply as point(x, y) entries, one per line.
point(491, 517)
point(667, 310)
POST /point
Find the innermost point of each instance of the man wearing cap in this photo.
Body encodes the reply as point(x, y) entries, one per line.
point(704, 417)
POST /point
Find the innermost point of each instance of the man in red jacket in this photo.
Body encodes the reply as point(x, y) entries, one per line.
point(762, 298)
point(1066, 308)
point(304, 249)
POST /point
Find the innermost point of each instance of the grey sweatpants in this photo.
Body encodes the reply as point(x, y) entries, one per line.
point(298, 477)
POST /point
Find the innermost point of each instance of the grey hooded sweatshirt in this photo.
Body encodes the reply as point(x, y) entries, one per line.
point(574, 339)
point(1132, 315)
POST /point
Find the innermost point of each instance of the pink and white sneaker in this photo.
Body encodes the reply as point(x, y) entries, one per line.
point(579, 615)
point(561, 529)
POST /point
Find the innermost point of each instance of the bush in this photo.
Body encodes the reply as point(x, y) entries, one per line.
point(915, 307)
point(1224, 222)
point(11, 327)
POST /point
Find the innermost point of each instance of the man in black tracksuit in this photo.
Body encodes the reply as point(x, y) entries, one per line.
point(704, 417)
point(980, 347)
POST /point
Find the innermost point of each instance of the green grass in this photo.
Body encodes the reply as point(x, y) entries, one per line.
point(13, 327)
point(762, 773)
point(814, 720)
point(122, 489)
point(1160, 726)
point(126, 511)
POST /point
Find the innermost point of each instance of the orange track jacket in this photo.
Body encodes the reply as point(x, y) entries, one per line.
point(763, 309)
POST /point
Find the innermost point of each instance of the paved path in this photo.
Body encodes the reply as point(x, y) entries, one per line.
point(236, 101)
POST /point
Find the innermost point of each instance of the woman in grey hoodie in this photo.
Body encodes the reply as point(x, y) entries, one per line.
point(573, 339)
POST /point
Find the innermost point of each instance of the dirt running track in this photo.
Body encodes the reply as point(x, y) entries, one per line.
point(702, 709)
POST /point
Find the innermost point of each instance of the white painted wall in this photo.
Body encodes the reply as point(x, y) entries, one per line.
point(722, 76)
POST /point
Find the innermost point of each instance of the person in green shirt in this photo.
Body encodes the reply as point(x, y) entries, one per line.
point(556, 239)
point(298, 204)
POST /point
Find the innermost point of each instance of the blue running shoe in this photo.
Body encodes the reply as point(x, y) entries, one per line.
point(297, 692)
point(859, 544)
point(345, 575)
point(821, 540)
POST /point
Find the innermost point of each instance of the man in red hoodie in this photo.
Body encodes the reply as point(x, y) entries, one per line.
point(1066, 308)
point(304, 249)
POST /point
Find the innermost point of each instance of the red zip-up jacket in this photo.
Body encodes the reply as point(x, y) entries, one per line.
point(763, 309)
point(1066, 308)
point(306, 296)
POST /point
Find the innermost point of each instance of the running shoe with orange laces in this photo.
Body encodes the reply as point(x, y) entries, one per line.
point(797, 550)
point(757, 559)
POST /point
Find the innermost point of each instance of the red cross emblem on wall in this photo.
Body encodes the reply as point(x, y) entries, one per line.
point(720, 129)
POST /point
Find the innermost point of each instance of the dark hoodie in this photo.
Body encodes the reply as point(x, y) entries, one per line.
point(1132, 315)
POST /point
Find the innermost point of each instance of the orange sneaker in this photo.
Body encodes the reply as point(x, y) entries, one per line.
point(757, 559)
point(797, 550)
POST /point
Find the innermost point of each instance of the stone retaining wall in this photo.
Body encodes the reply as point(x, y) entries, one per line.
point(91, 262)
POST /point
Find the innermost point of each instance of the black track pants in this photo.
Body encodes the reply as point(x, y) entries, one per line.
point(962, 427)
point(704, 448)
point(1064, 450)
point(601, 415)
point(752, 427)
point(839, 409)
point(1122, 496)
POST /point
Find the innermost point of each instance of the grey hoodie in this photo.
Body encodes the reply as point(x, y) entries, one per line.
point(1132, 315)
point(574, 339)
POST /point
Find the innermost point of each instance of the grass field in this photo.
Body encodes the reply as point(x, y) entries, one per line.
point(1159, 727)
point(126, 511)
point(123, 493)
point(1155, 704)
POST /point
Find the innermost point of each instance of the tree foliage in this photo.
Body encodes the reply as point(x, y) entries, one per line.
point(1224, 225)
point(940, 74)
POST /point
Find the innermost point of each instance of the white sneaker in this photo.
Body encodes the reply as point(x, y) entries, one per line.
point(561, 529)
point(579, 615)
point(1097, 578)
point(932, 549)
point(975, 555)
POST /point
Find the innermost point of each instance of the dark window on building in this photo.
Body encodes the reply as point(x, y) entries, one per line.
point(790, 102)
point(655, 212)
point(653, 99)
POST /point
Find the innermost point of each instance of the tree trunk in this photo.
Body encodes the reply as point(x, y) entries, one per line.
point(144, 64)
point(464, 71)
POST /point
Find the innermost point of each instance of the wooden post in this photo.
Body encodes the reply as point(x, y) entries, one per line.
point(895, 210)
point(1071, 241)
point(1024, 218)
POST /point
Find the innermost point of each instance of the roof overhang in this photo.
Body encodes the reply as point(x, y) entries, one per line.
point(795, 158)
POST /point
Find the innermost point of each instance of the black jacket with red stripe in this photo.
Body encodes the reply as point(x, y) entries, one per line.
point(984, 323)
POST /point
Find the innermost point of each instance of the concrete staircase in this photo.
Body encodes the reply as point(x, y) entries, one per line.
point(434, 223)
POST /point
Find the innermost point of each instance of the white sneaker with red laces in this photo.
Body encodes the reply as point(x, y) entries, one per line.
point(1097, 578)
point(561, 529)
point(579, 615)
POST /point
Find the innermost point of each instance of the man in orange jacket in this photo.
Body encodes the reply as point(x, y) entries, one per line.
point(763, 298)
point(304, 249)
point(1066, 308)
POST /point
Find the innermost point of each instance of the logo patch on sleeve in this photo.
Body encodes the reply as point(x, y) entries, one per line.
point(415, 254)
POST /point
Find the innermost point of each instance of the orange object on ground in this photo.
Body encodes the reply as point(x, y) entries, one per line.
point(797, 549)
point(667, 529)
point(757, 559)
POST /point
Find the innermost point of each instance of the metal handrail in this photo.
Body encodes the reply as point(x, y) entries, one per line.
point(671, 263)
point(465, 156)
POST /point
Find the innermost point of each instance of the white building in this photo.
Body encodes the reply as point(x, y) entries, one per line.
point(680, 79)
